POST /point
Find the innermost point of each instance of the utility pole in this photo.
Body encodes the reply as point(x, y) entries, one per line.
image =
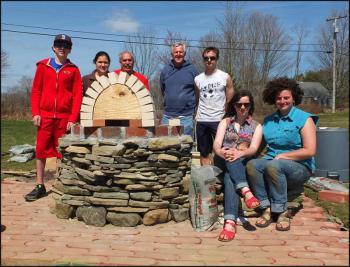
point(336, 30)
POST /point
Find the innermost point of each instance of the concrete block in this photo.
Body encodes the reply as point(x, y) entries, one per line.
point(92, 93)
point(174, 122)
point(147, 123)
point(104, 81)
point(86, 115)
point(113, 77)
point(131, 81)
point(145, 100)
point(97, 87)
point(137, 86)
point(122, 77)
point(142, 93)
point(86, 108)
point(147, 108)
point(333, 196)
point(88, 101)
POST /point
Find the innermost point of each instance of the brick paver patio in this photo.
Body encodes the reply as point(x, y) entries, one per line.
point(34, 236)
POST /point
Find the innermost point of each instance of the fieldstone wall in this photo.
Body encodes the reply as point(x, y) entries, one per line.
point(123, 181)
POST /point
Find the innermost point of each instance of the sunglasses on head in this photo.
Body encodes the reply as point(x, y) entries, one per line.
point(63, 45)
point(238, 105)
point(207, 58)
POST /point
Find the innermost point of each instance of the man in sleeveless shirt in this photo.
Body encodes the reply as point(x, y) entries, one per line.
point(214, 89)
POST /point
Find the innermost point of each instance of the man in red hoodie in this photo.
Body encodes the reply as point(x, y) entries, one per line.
point(56, 99)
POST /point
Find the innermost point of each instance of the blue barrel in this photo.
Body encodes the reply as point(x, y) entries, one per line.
point(332, 156)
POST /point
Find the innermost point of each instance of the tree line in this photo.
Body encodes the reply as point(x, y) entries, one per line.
point(253, 49)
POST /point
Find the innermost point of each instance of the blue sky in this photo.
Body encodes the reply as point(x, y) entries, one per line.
point(191, 19)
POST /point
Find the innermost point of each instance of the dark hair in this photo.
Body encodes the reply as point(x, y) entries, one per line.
point(274, 87)
point(231, 111)
point(102, 53)
point(211, 48)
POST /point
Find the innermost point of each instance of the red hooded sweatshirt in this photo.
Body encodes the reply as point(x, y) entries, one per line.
point(57, 95)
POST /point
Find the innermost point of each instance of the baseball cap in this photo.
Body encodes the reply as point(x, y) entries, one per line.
point(63, 38)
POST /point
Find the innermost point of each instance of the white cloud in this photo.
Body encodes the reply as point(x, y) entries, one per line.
point(121, 21)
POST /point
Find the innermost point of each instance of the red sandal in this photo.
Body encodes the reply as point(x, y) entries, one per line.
point(227, 235)
point(249, 202)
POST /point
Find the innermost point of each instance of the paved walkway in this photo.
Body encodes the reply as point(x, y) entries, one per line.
point(34, 236)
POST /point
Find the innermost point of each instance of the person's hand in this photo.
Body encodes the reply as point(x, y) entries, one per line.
point(237, 154)
point(37, 120)
point(69, 126)
point(228, 154)
point(232, 154)
point(280, 156)
point(225, 152)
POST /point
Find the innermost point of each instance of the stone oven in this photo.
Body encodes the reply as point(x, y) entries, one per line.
point(119, 165)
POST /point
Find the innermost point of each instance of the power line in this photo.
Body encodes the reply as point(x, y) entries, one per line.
point(161, 44)
point(148, 37)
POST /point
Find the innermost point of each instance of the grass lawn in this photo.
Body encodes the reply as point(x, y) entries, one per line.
point(16, 133)
point(338, 119)
point(339, 210)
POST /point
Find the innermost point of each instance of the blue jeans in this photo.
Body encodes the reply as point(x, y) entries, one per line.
point(270, 180)
point(231, 199)
point(186, 121)
point(234, 179)
point(237, 172)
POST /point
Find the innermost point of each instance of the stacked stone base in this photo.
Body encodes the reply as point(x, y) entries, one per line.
point(123, 181)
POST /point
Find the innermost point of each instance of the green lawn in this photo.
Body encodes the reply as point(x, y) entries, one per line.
point(16, 133)
point(338, 119)
point(339, 210)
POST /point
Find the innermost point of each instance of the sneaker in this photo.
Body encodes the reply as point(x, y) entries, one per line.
point(38, 192)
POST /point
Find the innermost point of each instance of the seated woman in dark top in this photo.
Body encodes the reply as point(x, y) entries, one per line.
point(237, 139)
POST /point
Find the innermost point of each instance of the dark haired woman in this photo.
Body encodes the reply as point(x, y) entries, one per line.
point(237, 139)
point(290, 134)
point(102, 62)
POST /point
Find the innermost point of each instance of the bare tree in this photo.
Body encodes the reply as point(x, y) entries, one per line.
point(157, 95)
point(210, 39)
point(15, 103)
point(231, 37)
point(274, 60)
point(324, 61)
point(4, 62)
point(164, 55)
point(144, 48)
point(300, 29)
point(253, 47)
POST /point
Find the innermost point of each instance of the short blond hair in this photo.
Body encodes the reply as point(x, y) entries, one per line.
point(177, 44)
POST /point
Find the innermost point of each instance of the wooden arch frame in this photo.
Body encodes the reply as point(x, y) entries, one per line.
point(118, 97)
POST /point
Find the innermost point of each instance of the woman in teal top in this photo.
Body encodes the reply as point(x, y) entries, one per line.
point(290, 135)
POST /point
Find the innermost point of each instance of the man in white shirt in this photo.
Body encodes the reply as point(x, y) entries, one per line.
point(214, 89)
